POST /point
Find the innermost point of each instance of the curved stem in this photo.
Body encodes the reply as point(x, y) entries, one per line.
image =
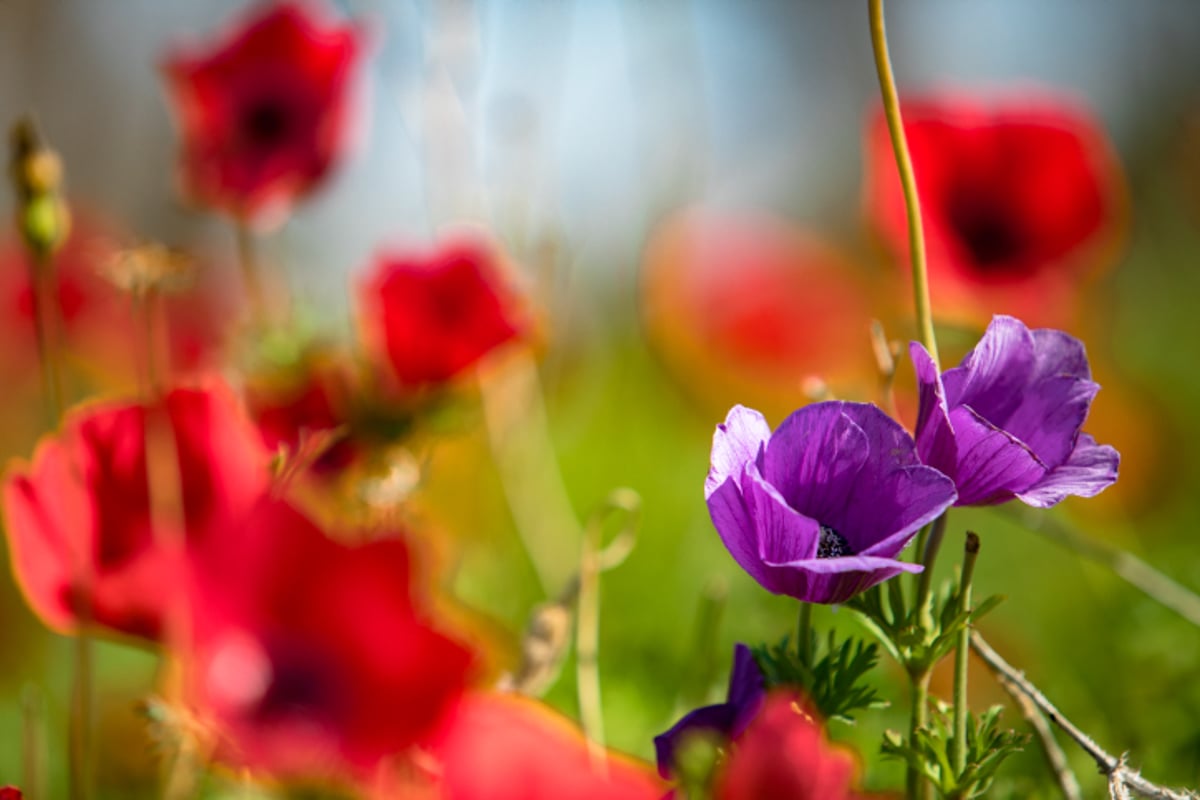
point(908, 180)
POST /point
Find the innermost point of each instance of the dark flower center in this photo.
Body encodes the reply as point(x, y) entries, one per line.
point(832, 544)
point(299, 685)
point(265, 123)
point(991, 235)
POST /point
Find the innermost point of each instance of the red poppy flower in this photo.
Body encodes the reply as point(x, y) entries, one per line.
point(79, 518)
point(1021, 202)
point(265, 111)
point(311, 396)
point(429, 317)
point(508, 747)
point(784, 754)
point(746, 307)
point(311, 657)
point(10, 793)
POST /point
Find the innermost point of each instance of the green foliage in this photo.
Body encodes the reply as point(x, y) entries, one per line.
point(830, 676)
point(988, 745)
point(917, 637)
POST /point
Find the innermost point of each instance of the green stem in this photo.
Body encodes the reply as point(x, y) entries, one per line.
point(928, 558)
point(33, 750)
point(41, 278)
point(79, 750)
point(919, 554)
point(804, 634)
point(958, 751)
point(80, 720)
point(908, 180)
point(252, 278)
point(916, 785)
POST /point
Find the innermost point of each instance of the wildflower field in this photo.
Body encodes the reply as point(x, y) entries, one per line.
point(481, 401)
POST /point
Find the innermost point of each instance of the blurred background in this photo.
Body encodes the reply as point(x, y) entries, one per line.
point(578, 132)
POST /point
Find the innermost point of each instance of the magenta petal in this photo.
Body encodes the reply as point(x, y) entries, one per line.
point(992, 465)
point(736, 442)
point(814, 456)
point(1090, 469)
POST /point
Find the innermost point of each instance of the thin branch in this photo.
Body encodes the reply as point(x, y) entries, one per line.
point(1055, 757)
point(1128, 567)
point(1121, 778)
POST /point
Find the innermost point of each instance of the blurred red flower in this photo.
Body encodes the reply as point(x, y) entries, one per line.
point(86, 535)
point(10, 793)
point(311, 657)
point(96, 332)
point(745, 307)
point(784, 753)
point(1022, 201)
point(313, 395)
point(508, 747)
point(265, 110)
point(427, 318)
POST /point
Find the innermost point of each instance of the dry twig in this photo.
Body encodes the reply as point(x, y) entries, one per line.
point(1122, 779)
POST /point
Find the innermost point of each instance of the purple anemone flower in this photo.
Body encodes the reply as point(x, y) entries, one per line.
point(1006, 422)
point(747, 687)
point(820, 508)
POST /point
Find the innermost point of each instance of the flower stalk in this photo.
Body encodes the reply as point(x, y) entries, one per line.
point(908, 180)
point(958, 751)
point(252, 278)
point(804, 633)
point(929, 556)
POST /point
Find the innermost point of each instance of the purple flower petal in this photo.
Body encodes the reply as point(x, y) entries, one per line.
point(835, 477)
point(818, 581)
point(716, 718)
point(736, 442)
point(909, 498)
point(1090, 469)
point(1007, 420)
point(993, 376)
point(935, 437)
point(747, 688)
point(784, 534)
point(733, 522)
point(1059, 354)
point(992, 465)
point(892, 495)
point(1049, 416)
point(829, 566)
point(813, 459)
